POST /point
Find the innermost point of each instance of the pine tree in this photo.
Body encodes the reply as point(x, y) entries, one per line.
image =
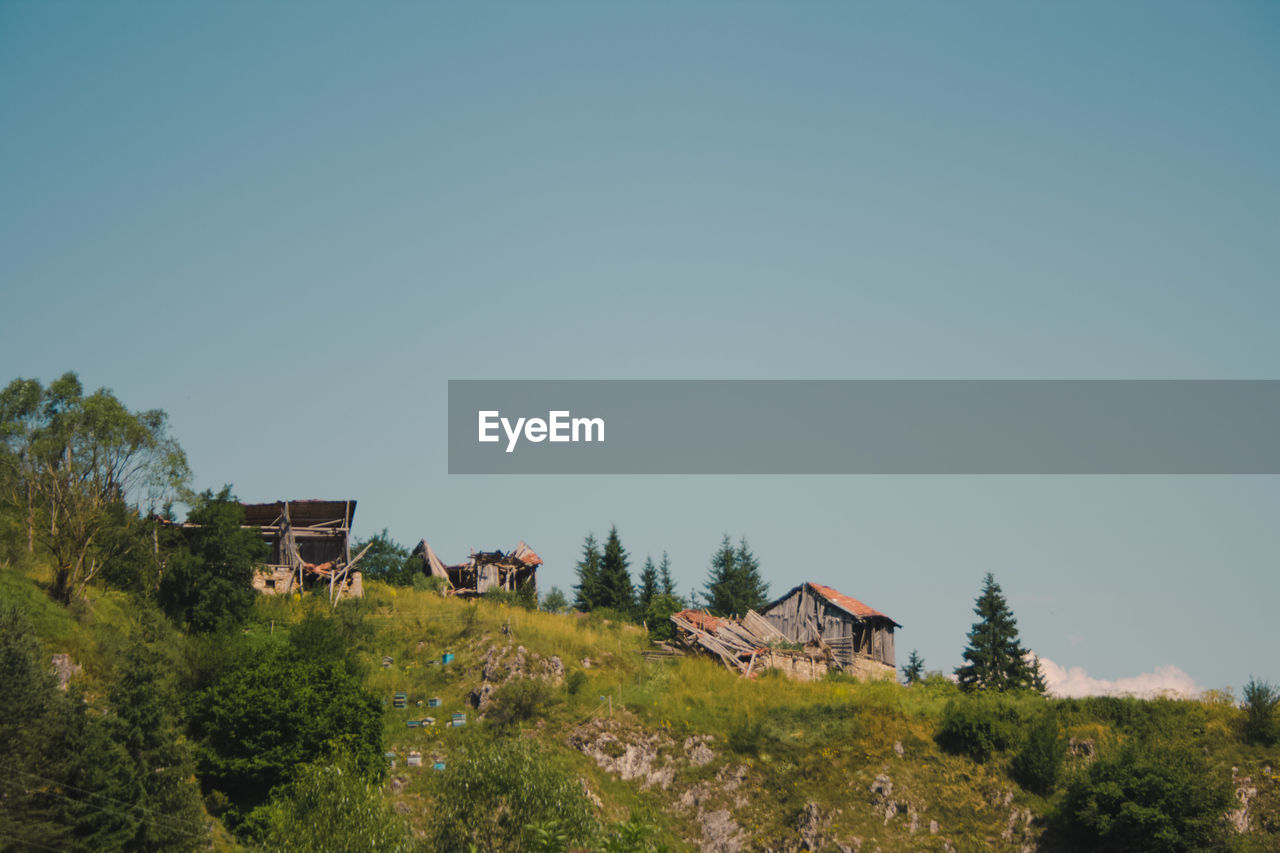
point(649, 585)
point(667, 583)
point(586, 593)
point(615, 579)
point(734, 585)
point(914, 670)
point(995, 658)
point(143, 701)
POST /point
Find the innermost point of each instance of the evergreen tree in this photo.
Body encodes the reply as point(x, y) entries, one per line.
point(586, 593)
point(995, 658)
point(667, 583)
point(615, 579)
point(734, 585)
point(649, 585)
point(914, 670)
point(143, 701)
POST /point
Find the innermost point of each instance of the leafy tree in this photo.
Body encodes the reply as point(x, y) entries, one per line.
point(587, 592)
point(69, 457)
point(554, 601)
point(665, 581)
point(492, 789)
point(1260, 703)
point(276, 708)
point(330, 805)
point(734, 585)
point(615, 580)
point(208, 581)
point(995, 658)
point(1144, 798)
point(386, 560)
point(649, 585)
point(914, 669)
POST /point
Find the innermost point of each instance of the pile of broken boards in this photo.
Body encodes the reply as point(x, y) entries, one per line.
point(748, 645)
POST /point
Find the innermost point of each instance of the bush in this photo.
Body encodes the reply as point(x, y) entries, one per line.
point(746, 737)
point(520, 700)
point(330, 805)
point(493, 789)
point(1038, 762)
point(575, 682)
point(1144, 798)
point(978, 726)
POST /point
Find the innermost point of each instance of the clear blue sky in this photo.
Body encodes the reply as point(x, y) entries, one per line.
point(289, 225)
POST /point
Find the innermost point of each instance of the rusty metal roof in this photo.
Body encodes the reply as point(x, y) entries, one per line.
point(701, 620)
point(847, 603)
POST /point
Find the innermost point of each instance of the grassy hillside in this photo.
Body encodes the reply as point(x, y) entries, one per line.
point(692, 756)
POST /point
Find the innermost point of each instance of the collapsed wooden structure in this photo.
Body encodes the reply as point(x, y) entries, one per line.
point(484, 570)
point(310, 542)
point(805, 633)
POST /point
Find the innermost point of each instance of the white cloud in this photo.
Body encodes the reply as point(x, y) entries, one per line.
point(1074, 681)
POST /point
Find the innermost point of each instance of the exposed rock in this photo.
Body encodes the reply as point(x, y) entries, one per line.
point(397, 784)
point(913, 821)
point(695, 796)
point(897, 747)
point(882, 786)
point(591, 795)
point(933, 827)
point(812, 827)
point(1082, 748)
point(696, 750)
point(731, 779)
point(65, 669)
point(480, 697)
point(628, 755)
point(1239, 818)
point(720, 832)
point(1012, 827)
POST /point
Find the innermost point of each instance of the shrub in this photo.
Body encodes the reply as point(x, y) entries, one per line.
point(1144, 798)
point(519, 700)
point(576, 681)
point(493, 789)
point(1038, 762)
point(746, 737)
point(978, 726)
point(329, 805)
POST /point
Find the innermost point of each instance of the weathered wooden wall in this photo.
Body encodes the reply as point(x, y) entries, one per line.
point(806, 616)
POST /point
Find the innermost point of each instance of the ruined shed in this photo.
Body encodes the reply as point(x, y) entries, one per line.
point(860, 637)
point(310, 542)
point(484, 570)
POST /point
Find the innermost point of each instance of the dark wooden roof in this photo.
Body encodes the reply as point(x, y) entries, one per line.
point(307, 513)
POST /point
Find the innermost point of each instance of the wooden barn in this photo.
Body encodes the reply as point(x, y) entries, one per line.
point(860, 637)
